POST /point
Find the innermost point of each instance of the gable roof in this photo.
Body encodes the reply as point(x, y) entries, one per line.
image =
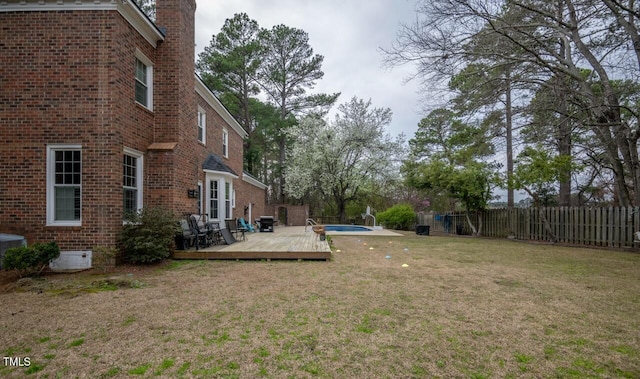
point(214, 163)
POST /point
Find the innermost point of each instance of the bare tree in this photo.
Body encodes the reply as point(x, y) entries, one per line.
point(545, 39)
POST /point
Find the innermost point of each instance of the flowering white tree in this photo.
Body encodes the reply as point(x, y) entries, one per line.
point(338, 158)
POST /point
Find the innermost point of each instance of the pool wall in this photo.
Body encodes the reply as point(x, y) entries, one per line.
point(347, 228)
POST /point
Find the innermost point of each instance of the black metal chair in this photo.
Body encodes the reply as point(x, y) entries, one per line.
point(186, 238)
point(214, 229)
point(203, 236)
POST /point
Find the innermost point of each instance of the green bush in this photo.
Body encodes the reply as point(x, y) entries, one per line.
point(103, 257)
point(29, 260)
point(400, 217)
point(148, 236)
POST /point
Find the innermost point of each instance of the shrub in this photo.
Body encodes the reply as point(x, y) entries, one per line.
point(29, 260)
point(401, 217)
point(148, 235)
point(103, 257)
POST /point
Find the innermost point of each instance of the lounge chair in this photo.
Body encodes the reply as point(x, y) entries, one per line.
point(246, 226)
point(232, 226)
point(227, 237)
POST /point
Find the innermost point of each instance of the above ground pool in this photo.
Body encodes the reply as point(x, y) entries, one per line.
point(346, 228)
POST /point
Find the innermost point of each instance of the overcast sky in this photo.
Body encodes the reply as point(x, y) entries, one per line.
point(349, 34)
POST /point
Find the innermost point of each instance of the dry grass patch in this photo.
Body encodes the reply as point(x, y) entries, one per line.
point(462, 308)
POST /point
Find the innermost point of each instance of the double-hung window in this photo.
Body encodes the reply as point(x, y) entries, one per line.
point(225, 143)
point(214, 198)
point(132, 181)
point(202, 126)
point(64, 185)
point(227, 200)
point(144, 80)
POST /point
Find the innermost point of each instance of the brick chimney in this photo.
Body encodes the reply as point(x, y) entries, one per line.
point(174, 104)
point(175, 108)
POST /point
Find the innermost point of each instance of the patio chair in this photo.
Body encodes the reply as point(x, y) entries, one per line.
point(186, 238)
point(246, 226)
point(232, 226)
point(204, 236)
point(214, 228)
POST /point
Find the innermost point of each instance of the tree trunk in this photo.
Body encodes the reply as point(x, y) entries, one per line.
point(603, 133)
point(281, 163)
point(342, 210)
point(635, 167)
point(509, 134)
point(474, 232)
point(282, 145)
point(605, 108)
point(480, 224)
point(543, 217)
point(563, 139)
point(563, 129)
point(552, 237)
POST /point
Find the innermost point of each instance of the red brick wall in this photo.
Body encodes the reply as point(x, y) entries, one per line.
point(296, 214)
point(67, 77)
point(247, 193)
point(60, 83)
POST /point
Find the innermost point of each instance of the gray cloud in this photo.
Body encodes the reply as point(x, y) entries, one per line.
point(349, 35)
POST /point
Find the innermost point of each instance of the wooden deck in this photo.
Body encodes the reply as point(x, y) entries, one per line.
point(284, 243)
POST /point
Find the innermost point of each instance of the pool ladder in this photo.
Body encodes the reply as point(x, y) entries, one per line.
point(311, 222)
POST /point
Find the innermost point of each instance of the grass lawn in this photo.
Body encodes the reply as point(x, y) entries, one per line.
point(464, 308)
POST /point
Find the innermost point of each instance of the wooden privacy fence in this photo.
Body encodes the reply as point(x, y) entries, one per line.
point(593, 226)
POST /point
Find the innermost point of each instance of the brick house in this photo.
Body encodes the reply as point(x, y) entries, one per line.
point(101, 112)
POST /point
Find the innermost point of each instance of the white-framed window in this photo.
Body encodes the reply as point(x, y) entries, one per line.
point(64, 185)
point(214, 198)
point(202, 126)
point(233, 199)
point(132, 166)
point(227, 200)
point(225, 143)
point(200, 203)
point(144, 80)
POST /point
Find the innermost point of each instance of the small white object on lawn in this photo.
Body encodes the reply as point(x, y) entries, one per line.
point(405, 265)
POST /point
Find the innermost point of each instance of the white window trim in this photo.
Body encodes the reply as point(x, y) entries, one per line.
point(202, 113)
point(51, 209)
point(210, 198)
point(139, 172)
point(149, 65)
point(225, 143)
point(228, 191)
point(201, 197)
point(222, 181)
